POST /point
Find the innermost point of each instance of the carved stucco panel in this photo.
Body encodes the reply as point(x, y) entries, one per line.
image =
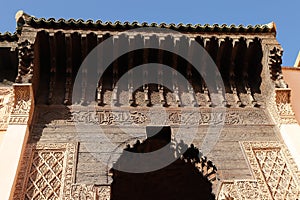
point(284, 107)
point(23, 102)
point(276, 175)
point(275, 171)
point(47, 171)
point(6, 105)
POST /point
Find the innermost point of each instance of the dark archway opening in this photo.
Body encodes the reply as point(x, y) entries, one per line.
point(187, 178)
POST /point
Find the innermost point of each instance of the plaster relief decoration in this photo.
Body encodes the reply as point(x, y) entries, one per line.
point(274, 169)
point(276, 175)
point(242, 190)
point(47, 171)
point(22, 104)
point(284, 107)
point(6, 103)
point(90, 192)
point(26, 56)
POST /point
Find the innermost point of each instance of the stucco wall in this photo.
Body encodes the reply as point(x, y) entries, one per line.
point(292, 77)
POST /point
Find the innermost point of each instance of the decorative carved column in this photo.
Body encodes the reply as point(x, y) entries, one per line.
point(26, 56)
point(275, 61)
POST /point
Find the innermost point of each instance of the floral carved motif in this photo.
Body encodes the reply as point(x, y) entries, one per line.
point(22, 104)
point(90, 192)
point(241, 190)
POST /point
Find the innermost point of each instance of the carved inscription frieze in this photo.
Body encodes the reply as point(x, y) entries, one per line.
point(171, 117)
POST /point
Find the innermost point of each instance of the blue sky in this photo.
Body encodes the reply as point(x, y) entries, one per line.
point(285, 14)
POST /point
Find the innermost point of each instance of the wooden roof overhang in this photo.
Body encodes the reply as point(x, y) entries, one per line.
point(58, 47)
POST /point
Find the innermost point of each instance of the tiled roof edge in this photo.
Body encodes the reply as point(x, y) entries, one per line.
point(23, 18)
point(7, 36)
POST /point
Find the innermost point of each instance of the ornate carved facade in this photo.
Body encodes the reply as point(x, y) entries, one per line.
point(237, 126)
point(276, 176)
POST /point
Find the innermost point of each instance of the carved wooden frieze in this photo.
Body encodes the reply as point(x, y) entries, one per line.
point(142, 117)
point(172, 117)
point(26, 56)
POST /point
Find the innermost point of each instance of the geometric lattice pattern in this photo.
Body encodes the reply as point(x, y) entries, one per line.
point(47, 171)
point(278, 176)
point(44, 180)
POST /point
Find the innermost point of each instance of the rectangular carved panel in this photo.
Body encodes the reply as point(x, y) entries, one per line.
point(47, 171)
point(274, 169)
point(276, 175)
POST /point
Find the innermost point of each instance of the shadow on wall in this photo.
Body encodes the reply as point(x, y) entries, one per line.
point(184, 179)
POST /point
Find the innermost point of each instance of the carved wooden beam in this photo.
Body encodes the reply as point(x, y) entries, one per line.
point(175, 72)
point(131, 96)
point(84, 52)
point(100, 70)
point(53, 66)
point(69, 68)
point(115, 74)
